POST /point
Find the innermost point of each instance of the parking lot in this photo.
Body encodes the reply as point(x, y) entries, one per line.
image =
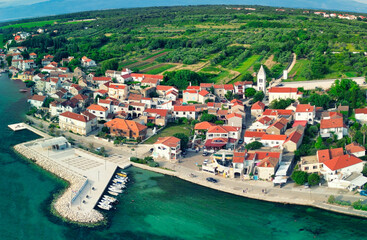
point(192, 159)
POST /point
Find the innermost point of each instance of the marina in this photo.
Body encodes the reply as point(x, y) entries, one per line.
point(89, 176)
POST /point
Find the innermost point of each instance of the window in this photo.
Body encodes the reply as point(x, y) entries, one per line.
point(314, 167)
point(306, 168)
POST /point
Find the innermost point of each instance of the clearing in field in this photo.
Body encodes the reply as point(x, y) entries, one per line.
point(244, 67)
point(299, 67)
point(270, 62)
point(32, 24)
point(160, 68)
point(168, 131)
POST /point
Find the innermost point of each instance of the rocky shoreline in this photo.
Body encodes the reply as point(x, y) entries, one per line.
point(75, 180)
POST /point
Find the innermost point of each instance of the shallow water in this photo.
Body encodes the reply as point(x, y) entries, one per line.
point(154, 207)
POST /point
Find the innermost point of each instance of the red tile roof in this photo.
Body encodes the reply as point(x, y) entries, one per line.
point(204, 125)
point(332, 123)
point(102, 79)
point(161, 112)
point(327, 154)
point(299, 122)
point(284, 90)
point(189, 108)
point(79, 117)
point(354, 148)
point(251, 134)
point(274, 137)
point(238, 157)
point(123, 124)
point(305, 108)
point(193, 88)
point(258, 105)
point(276, 112)
point(232, 115)
point(38, 98)
point(95, 107)
point(164, 88)
point(117, 86)
point(269, 162)
point(361, 111)
point(203, 93)
point(342, 162)
point(294, 137)
point(168, 141)
point(139, 75)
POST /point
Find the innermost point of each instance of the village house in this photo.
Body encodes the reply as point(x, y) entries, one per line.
point(188, 112)
point(168, 148)
point(100, 112)
point(235, 120)
point(261, 124)
point(126, 128)
point(257, 109)
point(240, 87)
point(355, 149)
point(118, 91)
point(293, 141)
point(97, 81)
point(269, 140)
point(305, 112)
point(88, 63)
point(361, 115)
point(266, 168)
point(251, 136)
point(202, 127)
point(37, 101)
point(314, 164)
point(329, 127)
point(218, 137)
point(276, 93)
point(278, 127)
point(158, 117)
point(82, 124)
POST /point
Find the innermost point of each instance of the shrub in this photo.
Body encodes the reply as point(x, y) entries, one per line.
point(299, 177)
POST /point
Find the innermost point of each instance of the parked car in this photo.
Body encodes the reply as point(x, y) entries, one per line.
point(240, 141)
point(205, 153)
point(363, 193)
point(213, 180)
point(151, 150)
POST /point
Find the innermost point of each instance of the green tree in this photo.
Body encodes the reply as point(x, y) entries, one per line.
point(229, 95)
point(250, 92)
point(364, 131)
point(184, 139)
point(313, 179)
point(254, 145)
point(299, 177)
point(111, 64)
point(208, 117)
point(259, 96)
point(281, 103)
point(247, 77)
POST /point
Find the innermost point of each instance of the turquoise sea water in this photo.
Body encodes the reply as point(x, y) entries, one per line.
point(154, 206)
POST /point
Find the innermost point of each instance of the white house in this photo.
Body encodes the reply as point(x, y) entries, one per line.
point(257, 109)
point(37, 101)
point(356, 149)
point(328, 127)
point(361, 114)
point(167, 147)
point(284, 93)
point(305, 112)
point(337, 170)
point(99, 111)
point(270, 140)
point(251, 136)
point(188, 112)
point(86, 62)
point(78, 123)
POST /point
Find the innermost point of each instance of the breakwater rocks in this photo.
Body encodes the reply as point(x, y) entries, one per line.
point(63, 205)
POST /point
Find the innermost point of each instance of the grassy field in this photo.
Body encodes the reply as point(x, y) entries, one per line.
point(75, 22)
point(127, 63)
point(298, 68)
point(155, 54)
point(168, 131)
point(210, 69)
point(243, 68)
point(160, 69)
point(223, 75)
point(1, 41)
point(31, 24)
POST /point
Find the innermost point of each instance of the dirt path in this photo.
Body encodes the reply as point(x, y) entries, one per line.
point(149, 60)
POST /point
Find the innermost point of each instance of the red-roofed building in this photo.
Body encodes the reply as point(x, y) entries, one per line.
point(284, 93)
point(278, 127)
point(276, 113)
point(203, 126)
point(87, 62)
point(293, 141)
point(328, 127)
point(158, 117)
point(251, 136)
point(118, 91)
point(99, 111)
point(167, 147)
point(235, 120)
point(216, 134)
point(100, 80)
point(261, 124)
point(257, 109)
point(37, 101)
point(337, 170)
point(273, 140)
point(126, 128)
point(361, 114)
point(188, 111)
point(305, 112)
point(82, 123)
point(355, 149)
point(240, 87)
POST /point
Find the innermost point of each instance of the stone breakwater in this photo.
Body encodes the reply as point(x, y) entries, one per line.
point(62, 204)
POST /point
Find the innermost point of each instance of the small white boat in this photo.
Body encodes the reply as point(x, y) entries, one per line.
point(104, 207)
point(113, 193)
point(110, 198)
point(115, 190)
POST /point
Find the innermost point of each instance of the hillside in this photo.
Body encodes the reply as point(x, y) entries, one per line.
point(223, 43)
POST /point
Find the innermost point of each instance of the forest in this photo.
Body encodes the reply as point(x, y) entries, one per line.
point(218, 42)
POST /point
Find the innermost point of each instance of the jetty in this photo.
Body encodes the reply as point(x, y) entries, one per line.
point(23, 126)
point(88, 174)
